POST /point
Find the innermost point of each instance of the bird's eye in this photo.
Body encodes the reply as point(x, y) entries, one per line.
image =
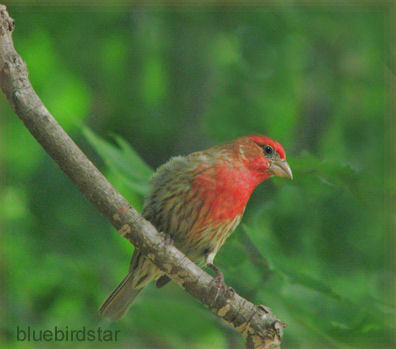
point(268, 150)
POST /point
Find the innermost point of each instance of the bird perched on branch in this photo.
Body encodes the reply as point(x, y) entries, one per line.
point(199, 200)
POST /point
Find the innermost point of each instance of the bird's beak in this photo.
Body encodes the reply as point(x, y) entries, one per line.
point(280, 168)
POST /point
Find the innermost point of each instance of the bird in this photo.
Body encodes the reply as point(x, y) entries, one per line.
point(199, 200)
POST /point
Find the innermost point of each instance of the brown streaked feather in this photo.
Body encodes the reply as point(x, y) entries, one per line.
point(186, 221)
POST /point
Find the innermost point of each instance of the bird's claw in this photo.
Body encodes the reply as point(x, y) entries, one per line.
point(218, 280)
point(167, 239)
point(230, 293)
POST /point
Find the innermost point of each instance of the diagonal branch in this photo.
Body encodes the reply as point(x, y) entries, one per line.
point(256, 324)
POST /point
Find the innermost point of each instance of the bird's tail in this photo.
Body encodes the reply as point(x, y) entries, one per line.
point(141, 273)
point(119, 301)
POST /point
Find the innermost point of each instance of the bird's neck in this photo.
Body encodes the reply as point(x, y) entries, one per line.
point(225, 190)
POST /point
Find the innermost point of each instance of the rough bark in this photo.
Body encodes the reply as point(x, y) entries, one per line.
point(256, 324)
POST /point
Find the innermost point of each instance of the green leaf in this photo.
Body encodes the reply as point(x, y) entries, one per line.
point(330, 172)
point(123, 160)
point(305, 317)
point(294, 276)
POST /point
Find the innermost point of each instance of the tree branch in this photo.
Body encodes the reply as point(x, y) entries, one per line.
point(256, 324)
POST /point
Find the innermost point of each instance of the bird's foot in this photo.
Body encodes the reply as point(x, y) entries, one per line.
point(167, 239)
point(218, 279)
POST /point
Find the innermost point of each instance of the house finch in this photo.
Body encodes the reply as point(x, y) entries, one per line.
point(199, 200)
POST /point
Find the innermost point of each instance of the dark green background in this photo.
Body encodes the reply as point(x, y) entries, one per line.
point(171, 80)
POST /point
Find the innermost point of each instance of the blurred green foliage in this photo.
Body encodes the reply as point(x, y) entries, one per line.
point(137, 85)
